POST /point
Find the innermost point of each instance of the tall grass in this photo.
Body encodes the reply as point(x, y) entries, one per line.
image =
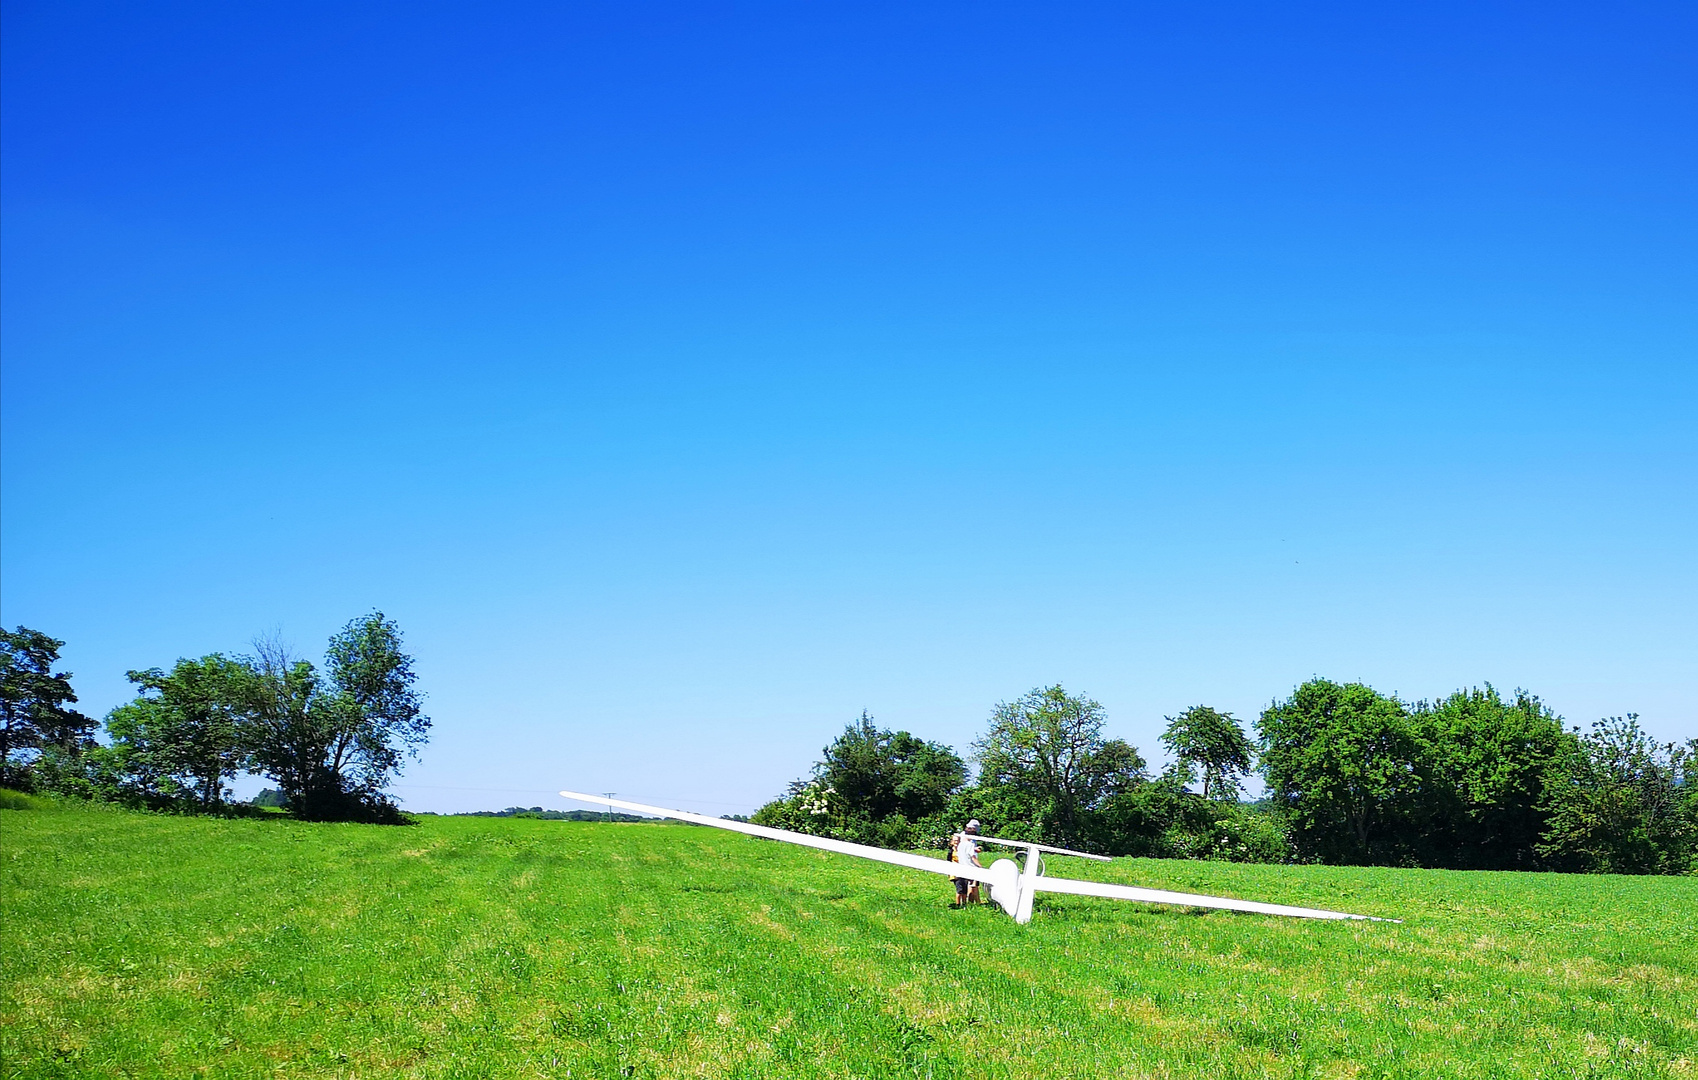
point(153, 946)
point(18, 800)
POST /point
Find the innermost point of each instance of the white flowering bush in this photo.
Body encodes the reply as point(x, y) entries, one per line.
point(815, 799)
point(813, 807)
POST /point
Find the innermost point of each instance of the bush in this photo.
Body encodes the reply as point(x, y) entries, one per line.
point(1248, 832)
point(1162, 820)
point(811, 808)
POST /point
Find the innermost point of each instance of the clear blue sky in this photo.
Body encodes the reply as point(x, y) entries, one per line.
point(686, 379)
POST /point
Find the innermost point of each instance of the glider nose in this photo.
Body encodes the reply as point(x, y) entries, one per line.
point(1005, 884)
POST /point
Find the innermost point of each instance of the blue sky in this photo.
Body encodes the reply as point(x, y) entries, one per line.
point(686, 379)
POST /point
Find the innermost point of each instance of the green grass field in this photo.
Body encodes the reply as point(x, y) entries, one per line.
point(142, 945)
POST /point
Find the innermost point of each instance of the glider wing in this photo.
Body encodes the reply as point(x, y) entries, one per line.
point(1011, 888)
point(1163, 896)
point(824, 843)
point(1028, 845)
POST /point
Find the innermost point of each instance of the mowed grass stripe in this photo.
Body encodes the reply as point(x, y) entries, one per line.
point(143, 945)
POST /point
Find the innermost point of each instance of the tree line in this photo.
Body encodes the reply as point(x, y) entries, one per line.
point(1476, 780)
point(330, 737)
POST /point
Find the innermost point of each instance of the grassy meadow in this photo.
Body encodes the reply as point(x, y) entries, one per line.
point(140, 945)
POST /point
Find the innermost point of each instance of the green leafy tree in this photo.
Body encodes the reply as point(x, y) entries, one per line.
point(333, 741)
point(1212, 743)
point(1045, 761)
point(374, 680)
point(1346, 766)
point(1491, 762)
point(292, 723)
point(1146, 819)
point(871, 785)
point(878, 773)
point(35, 700)
point(185, 734)
point(1620, 802)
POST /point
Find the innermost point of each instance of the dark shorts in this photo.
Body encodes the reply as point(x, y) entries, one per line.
point(962, 885)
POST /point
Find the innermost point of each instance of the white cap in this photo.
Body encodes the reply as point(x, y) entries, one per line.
point(974, 824)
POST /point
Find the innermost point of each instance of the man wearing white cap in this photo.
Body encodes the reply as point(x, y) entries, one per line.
point(963, 848)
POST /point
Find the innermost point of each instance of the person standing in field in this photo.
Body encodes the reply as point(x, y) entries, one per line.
point(964, 848)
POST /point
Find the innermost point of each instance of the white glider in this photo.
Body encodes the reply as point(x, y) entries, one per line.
point(1013, 887)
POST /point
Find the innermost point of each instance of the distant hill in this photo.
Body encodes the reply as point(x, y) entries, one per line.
point(555, 815)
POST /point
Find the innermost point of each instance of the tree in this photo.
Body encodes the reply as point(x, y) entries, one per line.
point(333, 743)
point(878, 773)
point(1213, 742)
point(34, 706)
point(870, 786)
point(1491, 763)
point(1620, 802)
point(385, 720)
point(1344, 764)
point(291, 724)
point(1045, 759)
point(185, 733)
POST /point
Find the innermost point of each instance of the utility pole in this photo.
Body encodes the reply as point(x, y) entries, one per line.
point(609, 795)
